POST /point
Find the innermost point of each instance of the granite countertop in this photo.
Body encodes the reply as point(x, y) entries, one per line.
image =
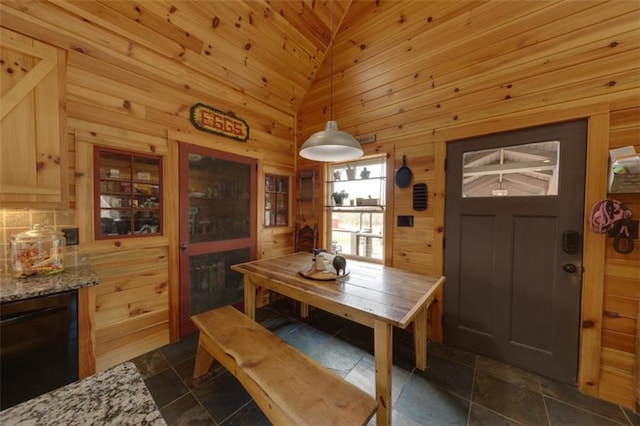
point(72, 278)
point(117, 396)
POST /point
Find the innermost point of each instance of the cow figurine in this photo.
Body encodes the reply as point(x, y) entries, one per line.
point(340, 264)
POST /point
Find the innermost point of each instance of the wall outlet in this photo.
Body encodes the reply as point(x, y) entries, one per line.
point(71, 235)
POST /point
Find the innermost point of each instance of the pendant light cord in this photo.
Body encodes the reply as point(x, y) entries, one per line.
point(331, 64)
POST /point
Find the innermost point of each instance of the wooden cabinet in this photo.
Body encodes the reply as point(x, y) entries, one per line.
point(33, 139)
point(276, 201)
point(128, 191)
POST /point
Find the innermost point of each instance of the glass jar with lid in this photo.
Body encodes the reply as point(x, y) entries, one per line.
point(39, 251)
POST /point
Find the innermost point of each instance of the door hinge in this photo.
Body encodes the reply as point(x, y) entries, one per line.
point(446, 164)
point(444, 242)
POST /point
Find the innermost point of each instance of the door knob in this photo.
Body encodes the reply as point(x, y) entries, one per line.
point(183, 246)
point(569, 268)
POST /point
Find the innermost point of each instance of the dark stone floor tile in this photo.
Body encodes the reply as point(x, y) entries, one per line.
point(454, 354)
point(166, 387)
point(428, 404)
point(633, 417)
point(508, 373)
point(185, 371)
point(151, 364)
point(249, 415)
point(338, 356)
point(481, 416)
point(561, 414)
point(182, 349)
point(357, 335)
point(572, 396)
point(186, 411)
point(397, 419)
point(511, 400)
point(305, 338)
point(222, 396)
point(285, 305)
point(452, 376)
point(329, 323)
point(363, 375)
point(281, 325)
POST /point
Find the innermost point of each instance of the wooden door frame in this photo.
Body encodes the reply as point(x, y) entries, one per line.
point(593, 255)
point(172, 212)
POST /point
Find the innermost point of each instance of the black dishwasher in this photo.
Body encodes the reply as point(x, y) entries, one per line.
point(38, 346)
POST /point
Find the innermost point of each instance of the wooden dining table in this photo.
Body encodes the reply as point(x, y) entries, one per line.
point(377, 296)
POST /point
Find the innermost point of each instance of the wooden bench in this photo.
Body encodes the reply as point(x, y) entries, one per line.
point(289, 387)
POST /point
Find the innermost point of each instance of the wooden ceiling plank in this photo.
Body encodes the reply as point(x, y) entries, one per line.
point(242, 26)
point(304, 21)
point(286, 33)
point(138, 59)
point(446, 100)
point(403, 125)
point(544, 49)
point(98, 14)
point(223, 57)
point(138, 12)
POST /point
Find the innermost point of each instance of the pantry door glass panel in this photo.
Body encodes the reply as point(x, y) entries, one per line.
point(217, 228)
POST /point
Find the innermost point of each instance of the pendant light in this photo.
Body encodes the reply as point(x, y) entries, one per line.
point(331, 144)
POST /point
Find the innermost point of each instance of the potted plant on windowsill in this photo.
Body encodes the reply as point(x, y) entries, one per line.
point(338, 197)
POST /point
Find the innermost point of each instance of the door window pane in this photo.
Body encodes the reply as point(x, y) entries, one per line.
point(212, 282)
point(515, 171)
point(219, 202)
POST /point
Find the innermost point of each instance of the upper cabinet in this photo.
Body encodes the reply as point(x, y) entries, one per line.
point(33, 140)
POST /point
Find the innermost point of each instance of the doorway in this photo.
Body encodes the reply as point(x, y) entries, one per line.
point(513, 255)
point(217, 228)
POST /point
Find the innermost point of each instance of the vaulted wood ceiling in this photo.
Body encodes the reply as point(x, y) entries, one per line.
point(266, 49)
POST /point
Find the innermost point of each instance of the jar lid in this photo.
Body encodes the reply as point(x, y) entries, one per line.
point(39, 232)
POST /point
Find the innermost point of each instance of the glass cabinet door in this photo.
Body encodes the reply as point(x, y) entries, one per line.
point(128, 194)
point(276, 201)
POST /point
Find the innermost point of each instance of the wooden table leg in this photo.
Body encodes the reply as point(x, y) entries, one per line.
point(249, 297)
point(435, 312)
point(304, 310)
point(420, 338)
point(383, 353)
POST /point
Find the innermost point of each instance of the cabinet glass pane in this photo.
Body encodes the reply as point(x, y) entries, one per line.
point(115, 166)
point(211, 281)
point(146, 169)
point(276, 201)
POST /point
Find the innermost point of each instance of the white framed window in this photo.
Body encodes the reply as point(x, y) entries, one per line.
point(356, 208)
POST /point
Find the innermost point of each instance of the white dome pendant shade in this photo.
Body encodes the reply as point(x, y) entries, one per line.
point(330, 145)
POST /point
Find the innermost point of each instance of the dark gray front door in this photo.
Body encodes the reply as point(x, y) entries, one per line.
point(513, 255)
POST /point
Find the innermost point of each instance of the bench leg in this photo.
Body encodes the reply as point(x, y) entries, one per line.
point(304, 310)
point(420, 338)
point(202, 363)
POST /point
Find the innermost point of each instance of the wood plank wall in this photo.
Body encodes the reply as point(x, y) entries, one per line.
point(126, 90)
point(417, 74)
point(621, 285)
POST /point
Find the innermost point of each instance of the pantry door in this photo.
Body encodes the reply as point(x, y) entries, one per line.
point(217, 228)
point(513, 253)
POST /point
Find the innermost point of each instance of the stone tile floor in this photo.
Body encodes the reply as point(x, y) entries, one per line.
point(458, 388)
